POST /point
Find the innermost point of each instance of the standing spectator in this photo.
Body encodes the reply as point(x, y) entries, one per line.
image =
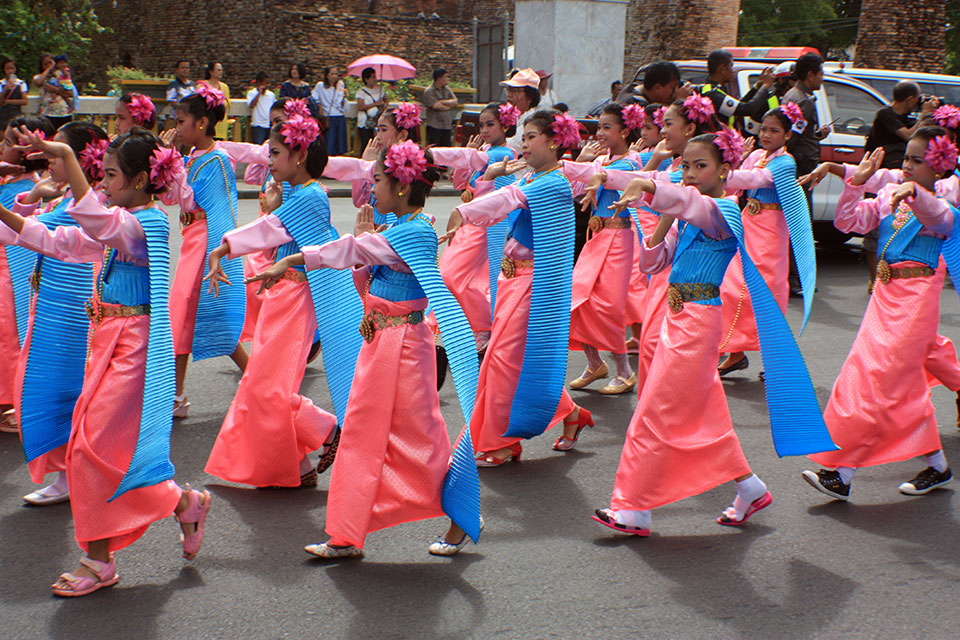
point(805, 147)
point(297, 87)
point(371, 102)
point(440, 103)
point(548, 97)
point(785, 78)
point(212, 77)
point(523, 92)
point(260, 99)
point(56, 102)
point(615, 88)
point(13, 93)
point(720, 74)
point(330, 95)
point(661, 85)
point(180, 87)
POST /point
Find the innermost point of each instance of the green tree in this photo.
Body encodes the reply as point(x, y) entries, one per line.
point(953, 37)
point(32, 27)
point(824, 24)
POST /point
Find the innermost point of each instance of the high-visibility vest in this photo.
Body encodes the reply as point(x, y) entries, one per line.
point(728, 100)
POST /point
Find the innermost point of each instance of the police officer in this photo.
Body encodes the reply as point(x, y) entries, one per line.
point(754, 104)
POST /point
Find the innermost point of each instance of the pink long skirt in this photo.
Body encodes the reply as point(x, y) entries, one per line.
point(601, 282)
point(254, 264)
point(942, 365)
point(501, 366)
point(465, 270)
point(635, 304)
point(394, 450)
point(106, 423)
point(768, 241)
point(270, 426)
point(880, 409)
point(185, 289)
point(9, 340)
point(655, 309)
point(680, 442)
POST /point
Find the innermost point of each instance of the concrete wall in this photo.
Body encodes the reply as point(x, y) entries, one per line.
point(580, 41)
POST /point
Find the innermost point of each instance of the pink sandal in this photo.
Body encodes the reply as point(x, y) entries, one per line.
point(106, 573)
point(730, 520)
point(195, 513)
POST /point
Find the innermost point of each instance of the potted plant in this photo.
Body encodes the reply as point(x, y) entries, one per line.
point(124, 80)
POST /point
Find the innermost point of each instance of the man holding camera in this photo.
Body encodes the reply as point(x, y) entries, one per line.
point(893, 124)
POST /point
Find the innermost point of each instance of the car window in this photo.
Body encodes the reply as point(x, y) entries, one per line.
point(950, 93)
point(882, 85)
point(852, 108)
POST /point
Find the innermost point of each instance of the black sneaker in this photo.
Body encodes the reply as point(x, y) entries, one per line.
point(926, 481)
point(828, 482)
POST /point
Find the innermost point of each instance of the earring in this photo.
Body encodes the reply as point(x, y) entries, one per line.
point(299, 163)
point(553, 146)
point(400, 194)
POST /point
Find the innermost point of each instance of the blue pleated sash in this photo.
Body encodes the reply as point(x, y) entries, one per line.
point(20, 261)
point(496, 234)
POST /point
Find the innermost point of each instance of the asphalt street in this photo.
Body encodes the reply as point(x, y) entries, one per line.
point(882, 565)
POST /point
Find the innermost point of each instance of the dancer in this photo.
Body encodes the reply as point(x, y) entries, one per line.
point(681, 441)
point(880, 409)
point(521, 392)
point(395, 453)
point(203, 325)
point(118, 456)
point(49, 374)
point(135, 110)
point(270, 428)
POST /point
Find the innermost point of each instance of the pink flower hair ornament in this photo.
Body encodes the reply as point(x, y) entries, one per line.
point(91, 158)
point(214, 97)
point(165, 165)
point(941, 155)
point(407, 116)
point(658, 117)
point(141, 108)
point(296, 107)
point(406, 162)
point(566, 130)
point(730, 143)
point(947, 116)
point(794, 115)
point(299, 132)
point(698, 109)
point(634, 117)
point(508, 115)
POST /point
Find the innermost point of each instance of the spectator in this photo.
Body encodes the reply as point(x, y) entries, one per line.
point(330, 95)
point(212, 77)
point(423, 6)
point(56, 101)
point(523, 92)
point(371, 102)
point(180, 87)
point(661, 85)
point(615, 87)
point(296, 87)
point(440, 103)
point(785, 78)
point(13, 93)
point(260, 99)
point(720, 74)
point(548, 97)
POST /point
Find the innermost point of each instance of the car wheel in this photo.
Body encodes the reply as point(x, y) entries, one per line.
point(828, 235)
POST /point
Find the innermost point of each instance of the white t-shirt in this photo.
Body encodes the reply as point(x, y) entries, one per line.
point(330, 99)
point(260, 113)
point(368, 119)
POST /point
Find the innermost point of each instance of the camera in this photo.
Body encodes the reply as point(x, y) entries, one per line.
point(926, 98)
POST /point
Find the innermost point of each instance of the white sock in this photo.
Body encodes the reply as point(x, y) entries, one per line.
point(59, 486)
point(594, 361)
point(628, 518)
point(747, 491)
point(938, 461)
point(846, 473)
point(623, 365)
point(305, 465)
point(481, 338)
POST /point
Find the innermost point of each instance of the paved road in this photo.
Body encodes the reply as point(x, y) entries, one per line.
point(883, 565)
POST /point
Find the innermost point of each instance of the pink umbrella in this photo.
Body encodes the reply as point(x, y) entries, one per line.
point(387, 67)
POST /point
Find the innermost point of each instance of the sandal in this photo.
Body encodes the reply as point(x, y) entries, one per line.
point(588, 377)
point(8, 422)
point(329, 453)
point(487, 460)
point(620, 385)
point(195, 513)
point(309, 479)
point(181, 406)
point(633, 346)
point(106, 576)
point(605, 517)
point(584, 419)
point(328, 551)
point(729, 515)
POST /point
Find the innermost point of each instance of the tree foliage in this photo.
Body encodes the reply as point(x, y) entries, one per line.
point(32, 27)
point(828, 25)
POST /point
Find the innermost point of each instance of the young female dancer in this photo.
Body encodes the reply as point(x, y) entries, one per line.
point(681, 441)
point(521, 391)
point(118, 456)
point(202, 324)
point(395, 453)
point(601, 276)
point(775, 217)
point(50, 369)
point(466, 262)
point(15, 262)
point(270, 428)
point(135, 110)
point(880, 409)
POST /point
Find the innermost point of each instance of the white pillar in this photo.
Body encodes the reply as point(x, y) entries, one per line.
point(580, 41)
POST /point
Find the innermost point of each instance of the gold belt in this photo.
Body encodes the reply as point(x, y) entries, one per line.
point(35, 280)
point(187, 218)
point(754, 206)
point(681, 292)
point(294, 275)
point(886, 273)
point(509, 266)
point(596, 223)
point(375, 321)
point(97, 312)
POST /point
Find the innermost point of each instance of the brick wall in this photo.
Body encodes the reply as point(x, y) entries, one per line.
point(906, 35)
